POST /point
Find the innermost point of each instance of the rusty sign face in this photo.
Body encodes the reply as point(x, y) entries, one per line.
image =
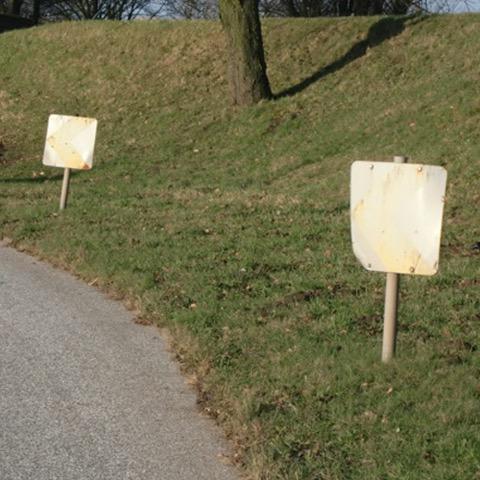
point(396, 216)
point(70, 142)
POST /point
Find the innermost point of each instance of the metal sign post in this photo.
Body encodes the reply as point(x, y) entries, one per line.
point(70, 144)
point(396, 214)
point(392, 289)
point(65, 186)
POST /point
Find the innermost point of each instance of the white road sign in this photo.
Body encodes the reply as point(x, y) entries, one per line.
point(70, 142)
point(396, 216)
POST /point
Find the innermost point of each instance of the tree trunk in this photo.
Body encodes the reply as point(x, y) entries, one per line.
point(14, 7)
point(400, 7)
point(36, 11)
point(344, 8)
point(247, 68)
point(377, 7)
point(360, 7)
point(291, 9)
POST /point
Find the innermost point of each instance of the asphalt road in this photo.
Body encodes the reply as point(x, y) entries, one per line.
point(87, 394)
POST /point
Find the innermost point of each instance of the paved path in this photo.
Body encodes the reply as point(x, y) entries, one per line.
point(87, 394)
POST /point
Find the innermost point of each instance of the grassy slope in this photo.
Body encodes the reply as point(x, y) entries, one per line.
point(217, 222)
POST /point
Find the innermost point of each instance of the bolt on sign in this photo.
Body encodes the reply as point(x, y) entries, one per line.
point(396, 216)
point(70, 142)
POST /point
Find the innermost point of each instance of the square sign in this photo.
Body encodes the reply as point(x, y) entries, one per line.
point(396, 216)
point(70, 142)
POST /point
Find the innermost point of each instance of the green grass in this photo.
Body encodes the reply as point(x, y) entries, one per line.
point(230, 227)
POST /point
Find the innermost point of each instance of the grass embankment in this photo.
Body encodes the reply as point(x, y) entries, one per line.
point(231, 227)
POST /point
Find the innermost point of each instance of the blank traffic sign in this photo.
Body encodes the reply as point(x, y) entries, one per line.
point(396, 216)
point(70, 142)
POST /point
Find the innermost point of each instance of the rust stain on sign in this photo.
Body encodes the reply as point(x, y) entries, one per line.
point(396, 216)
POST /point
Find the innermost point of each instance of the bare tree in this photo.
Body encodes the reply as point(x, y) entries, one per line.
point(334, 8)
point(12, 7)
point(75, 9)
point(93, 9)
point(190, 9)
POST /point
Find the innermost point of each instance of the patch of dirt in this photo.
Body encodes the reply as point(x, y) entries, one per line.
point(6, 241)
point(309, 295)
point(370, 325)
point(141, 320)
point(300, 297)
point(468, 282)
point(460, 250)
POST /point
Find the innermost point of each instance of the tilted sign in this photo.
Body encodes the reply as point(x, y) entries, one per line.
point(70, 142)
point(396, 216)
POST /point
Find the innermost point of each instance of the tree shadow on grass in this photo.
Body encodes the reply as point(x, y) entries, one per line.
point(378, 33)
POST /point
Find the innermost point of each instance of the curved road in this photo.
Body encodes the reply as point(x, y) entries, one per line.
point(87, 394)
